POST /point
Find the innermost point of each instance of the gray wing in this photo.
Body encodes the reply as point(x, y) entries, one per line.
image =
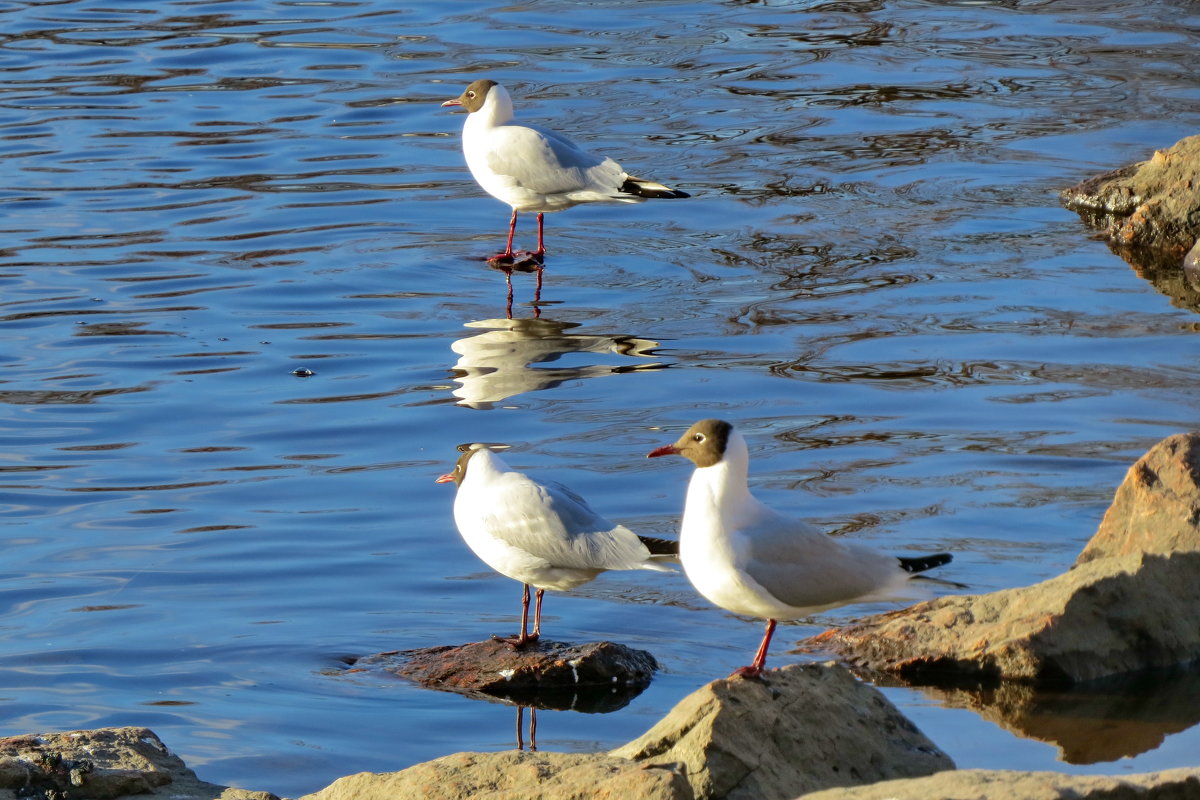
point(552, 522)
point(545, 162)
point(806, 568)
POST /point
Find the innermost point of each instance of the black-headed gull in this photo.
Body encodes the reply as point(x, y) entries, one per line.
point(542, 534)
point(751, 560)
point(534, 169)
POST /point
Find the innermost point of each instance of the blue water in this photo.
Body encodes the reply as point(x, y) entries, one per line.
point(873, 278)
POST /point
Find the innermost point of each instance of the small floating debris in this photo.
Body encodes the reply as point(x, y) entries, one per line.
point(303, 372)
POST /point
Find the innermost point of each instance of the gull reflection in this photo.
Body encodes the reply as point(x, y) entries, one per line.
point(501, 362)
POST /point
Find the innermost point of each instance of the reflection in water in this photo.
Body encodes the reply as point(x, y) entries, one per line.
point(532, 727)
point(497, 364)
point(1097, 722)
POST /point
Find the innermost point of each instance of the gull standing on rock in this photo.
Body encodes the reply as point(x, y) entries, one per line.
point(542, 534)
point(751, 560)
point(534, 169)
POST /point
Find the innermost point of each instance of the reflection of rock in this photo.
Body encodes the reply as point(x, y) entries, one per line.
point(1132, 600)
point(496, 364)
point(1090, 723)
point(102, 763)
point(596, 677)
point(985, 784)
point(1149, 205)
point(799, 729)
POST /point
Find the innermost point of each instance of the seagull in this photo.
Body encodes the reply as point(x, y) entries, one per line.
point(542, 534)
point(534, 169)
point(749, 559)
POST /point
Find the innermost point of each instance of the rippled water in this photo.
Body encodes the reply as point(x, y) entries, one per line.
point(873, 277)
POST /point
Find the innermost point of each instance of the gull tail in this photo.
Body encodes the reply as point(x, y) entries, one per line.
point(660, 547)
point(922, 563)
point(644, 188)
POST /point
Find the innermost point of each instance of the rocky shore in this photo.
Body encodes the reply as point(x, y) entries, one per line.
point(1130, 602)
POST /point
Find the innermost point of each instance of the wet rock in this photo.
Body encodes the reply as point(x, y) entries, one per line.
point(980, 784)
point(99, 765)
point(1131, 602)
point(1149, 206)
point(515, 775)
point(591, 677)
point(799, 729)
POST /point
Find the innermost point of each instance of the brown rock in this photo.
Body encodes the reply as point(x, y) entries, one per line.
point(100, 765)
point(979, 784)
point(1153, 204)
point(1157, 508)
point(798, 729)
point(514, 775)
point(592, 677)
point(1131, 602)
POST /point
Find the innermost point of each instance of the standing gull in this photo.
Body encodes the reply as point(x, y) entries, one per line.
point(534, 169)
point(751, 560)
point(542, 534)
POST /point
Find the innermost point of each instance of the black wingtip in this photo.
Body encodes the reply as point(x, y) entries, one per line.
point(922, 563)
point(651, 189)
point(660, 547)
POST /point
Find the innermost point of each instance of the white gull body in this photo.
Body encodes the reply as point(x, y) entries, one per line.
point(535, 169)
point(539, 533)
point(749, 559)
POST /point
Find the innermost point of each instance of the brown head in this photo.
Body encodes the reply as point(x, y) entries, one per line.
point(474, 96)
point(703, 444)
point(460, 467)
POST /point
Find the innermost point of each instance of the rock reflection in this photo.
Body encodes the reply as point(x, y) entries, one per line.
point(499, 363)
point(1090, 723)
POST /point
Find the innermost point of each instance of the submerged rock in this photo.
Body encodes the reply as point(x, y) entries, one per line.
point(983, 784)
point(102, 764)
point(1152, 206)
point(590, 677)
point(1131, 601)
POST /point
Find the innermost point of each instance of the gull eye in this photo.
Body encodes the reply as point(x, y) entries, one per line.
point(699, 437)
point(470, 94)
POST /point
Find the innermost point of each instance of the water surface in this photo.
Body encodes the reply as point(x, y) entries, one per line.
point(873, 278)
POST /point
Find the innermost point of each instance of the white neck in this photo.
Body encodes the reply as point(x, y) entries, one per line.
point(723, 486)
point(497, 109)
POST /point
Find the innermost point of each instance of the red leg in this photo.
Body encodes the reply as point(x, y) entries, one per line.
point(760, 658)
point(524, 638)
point(507, 256)
point(533, 727)
point(541, 251)
point(537, 615)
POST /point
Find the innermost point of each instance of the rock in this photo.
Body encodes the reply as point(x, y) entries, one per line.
point(1152, 205)
point(1131, 602)
point(799, 729)
point(514, 775)
point(981, 784)
point(102, 764)
point(1157, 507)
point(591, 677)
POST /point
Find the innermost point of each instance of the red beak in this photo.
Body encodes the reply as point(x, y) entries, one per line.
point(454, 102)
point(449, 476)
point(665, 450)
